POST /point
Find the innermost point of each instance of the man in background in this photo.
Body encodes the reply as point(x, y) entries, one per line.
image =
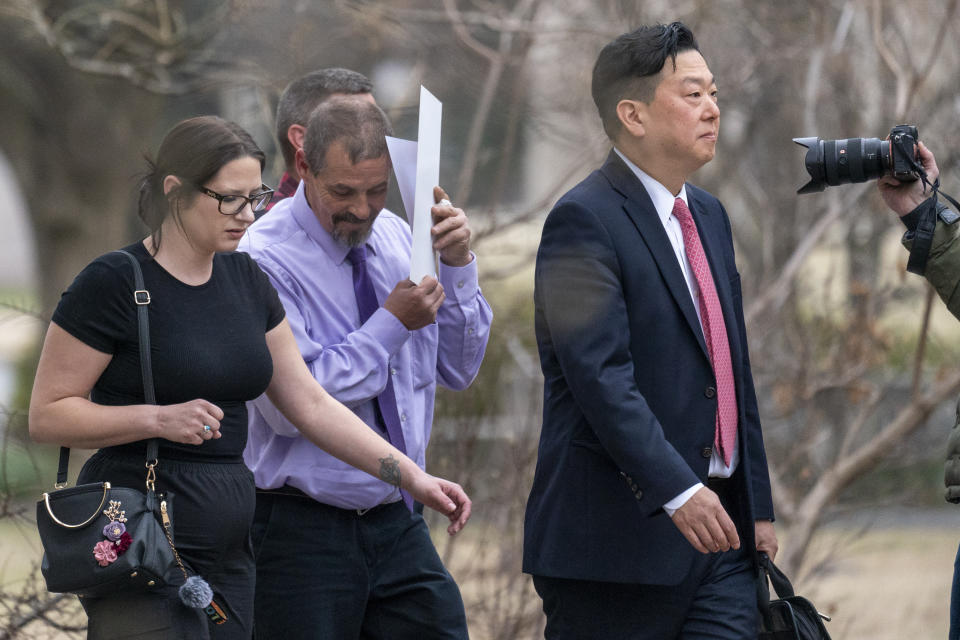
point(297, 102)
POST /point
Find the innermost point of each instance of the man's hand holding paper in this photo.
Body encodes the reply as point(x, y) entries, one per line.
point(415, 305)
point(450, 231)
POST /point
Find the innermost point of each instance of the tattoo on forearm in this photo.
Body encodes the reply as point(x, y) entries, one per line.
point(390, 470)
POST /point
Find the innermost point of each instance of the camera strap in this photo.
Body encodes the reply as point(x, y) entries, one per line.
point(927, 223)
point(923, 238)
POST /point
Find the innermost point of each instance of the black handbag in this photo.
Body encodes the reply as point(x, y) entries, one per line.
point(791, 617)
point(99, 539)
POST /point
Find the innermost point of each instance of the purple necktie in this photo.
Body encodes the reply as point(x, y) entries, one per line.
point(386, 404)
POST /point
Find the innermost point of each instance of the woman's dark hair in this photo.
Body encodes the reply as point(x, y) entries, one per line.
point(194, 150)
point(626, 66)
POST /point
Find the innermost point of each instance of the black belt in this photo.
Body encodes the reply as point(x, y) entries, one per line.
point(293, 492)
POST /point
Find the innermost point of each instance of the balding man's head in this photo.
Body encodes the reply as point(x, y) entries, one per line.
point(360, 126)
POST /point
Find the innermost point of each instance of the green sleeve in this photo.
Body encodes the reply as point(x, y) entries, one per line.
point(943, 263)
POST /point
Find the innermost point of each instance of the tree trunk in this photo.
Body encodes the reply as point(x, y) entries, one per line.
point(76, 155)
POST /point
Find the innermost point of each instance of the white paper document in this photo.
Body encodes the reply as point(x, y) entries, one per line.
point(417, 167)
point(403, 157)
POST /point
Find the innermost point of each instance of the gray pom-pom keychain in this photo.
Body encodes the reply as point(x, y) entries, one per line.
point(195, 592)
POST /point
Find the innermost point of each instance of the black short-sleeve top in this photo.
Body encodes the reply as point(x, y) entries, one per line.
point(206, 341)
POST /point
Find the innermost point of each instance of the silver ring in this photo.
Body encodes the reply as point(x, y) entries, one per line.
point(206, 427)
point(445, 203)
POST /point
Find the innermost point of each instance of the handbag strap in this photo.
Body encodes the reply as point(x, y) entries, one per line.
point(781, 584)
point(142, 299)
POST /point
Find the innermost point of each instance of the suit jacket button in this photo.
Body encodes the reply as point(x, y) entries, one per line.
point(639, 494)
point(706, 452)
point(710, 392)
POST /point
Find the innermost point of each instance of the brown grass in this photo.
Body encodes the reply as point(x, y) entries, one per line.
point(887, 584)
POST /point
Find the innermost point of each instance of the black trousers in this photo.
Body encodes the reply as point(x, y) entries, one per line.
point(329, 573)
point(716, 601)
point(212, 510)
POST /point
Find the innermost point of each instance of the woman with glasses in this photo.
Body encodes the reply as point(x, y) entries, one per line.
point(218, 339)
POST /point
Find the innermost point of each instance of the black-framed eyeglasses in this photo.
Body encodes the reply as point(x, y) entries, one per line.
point(232, 205)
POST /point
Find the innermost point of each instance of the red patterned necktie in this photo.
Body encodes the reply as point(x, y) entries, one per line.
point(714, 333)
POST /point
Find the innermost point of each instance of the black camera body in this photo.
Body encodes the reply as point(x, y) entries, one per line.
point(903, 152)
point(834, 162)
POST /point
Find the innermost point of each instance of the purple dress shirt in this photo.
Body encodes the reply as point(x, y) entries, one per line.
point(315, 281)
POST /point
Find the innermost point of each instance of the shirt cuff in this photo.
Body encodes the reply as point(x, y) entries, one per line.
point(459, 283)
point(387, 329)
point(672, 506)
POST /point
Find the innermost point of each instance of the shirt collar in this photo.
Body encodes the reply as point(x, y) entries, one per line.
point(662, 198)
point(307, 219)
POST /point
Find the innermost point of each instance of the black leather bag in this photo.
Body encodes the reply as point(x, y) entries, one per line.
point(71, 523)
point(99, 539)
point(791, 617)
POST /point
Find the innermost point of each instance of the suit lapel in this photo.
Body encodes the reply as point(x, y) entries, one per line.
point(642, 213)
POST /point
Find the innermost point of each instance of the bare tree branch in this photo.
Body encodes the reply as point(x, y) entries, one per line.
point(922, 342)
point(144, 43)
point(777, 292)
point(867, 408)
point(834, 479)
point(456, 21)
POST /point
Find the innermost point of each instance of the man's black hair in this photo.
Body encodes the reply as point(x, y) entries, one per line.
point(626, 66)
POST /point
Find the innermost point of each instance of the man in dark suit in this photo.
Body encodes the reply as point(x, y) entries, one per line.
point(651, 492)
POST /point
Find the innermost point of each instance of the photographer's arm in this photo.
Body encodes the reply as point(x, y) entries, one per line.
point(943, 263)
point(909, 200)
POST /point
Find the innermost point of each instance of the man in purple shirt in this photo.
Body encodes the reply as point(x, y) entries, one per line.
point(339, 554)
point(296, 103)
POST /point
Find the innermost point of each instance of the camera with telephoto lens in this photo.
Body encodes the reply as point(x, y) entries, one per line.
point(833, 162)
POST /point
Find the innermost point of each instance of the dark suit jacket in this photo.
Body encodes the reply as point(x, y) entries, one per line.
point(629, 393)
